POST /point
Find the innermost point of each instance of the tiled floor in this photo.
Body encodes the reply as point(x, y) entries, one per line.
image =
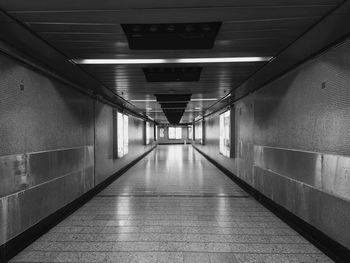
point(173, 206)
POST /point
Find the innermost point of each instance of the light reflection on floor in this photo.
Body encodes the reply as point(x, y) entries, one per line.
point(169, 208)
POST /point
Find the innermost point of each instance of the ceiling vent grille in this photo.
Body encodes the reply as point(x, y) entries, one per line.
point(171, 36)
point(172, 74)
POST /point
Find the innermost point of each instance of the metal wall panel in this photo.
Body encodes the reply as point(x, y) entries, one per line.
point(295, 131)
point(22, 210)
point(13, 174)
point(326, 172)
point(303, 119)
point(47, 146)
point(327, 212)
point(23, 171)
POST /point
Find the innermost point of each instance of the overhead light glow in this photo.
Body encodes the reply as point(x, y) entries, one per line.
point(151, 100)
point(143, 100)
point(207, 99)
point(160, 111)
point(170, 60)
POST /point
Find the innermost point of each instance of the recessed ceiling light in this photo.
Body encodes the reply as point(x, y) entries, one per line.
point(197, 108)
point(170, 60)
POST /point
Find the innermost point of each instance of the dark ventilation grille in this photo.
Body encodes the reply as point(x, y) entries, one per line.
point(173, 97)
point(173, 105)
point(171, 36)
point(172, 74)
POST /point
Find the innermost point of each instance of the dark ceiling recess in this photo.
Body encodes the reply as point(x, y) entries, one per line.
point(172, 36)
point(162, 98)
point(173, 105)
point(172, 74)
point(173, 116)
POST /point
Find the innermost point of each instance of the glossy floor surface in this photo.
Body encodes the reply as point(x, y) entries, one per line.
point(172, 206)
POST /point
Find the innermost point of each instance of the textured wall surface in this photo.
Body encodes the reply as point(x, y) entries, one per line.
point(292, 142)
point(105, 164)
point(42, 115)
point(46, 153)
point(47, 146)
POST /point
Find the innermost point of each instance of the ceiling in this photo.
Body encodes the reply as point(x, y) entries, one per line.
point(86, 29)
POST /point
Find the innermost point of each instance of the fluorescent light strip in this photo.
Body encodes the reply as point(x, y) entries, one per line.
point(170, 60)
point(160, 111)
point(143, 100)
point(208, 99)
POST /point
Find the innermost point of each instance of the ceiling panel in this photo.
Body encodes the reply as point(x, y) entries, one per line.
point(40, 5)
point(91, 29)
point(174, 15)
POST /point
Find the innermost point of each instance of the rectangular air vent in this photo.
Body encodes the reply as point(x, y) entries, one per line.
point(171, 36)
point(172, 74)
point(173, 97)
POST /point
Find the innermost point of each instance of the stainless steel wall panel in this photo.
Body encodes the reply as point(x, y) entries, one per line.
point(47, 146)
point(48, 181)
point(322, 210)
point(13, 174)
point(24, 209)
point(44, 166)
point(329, 173)
point(302, 119)
point(20, 172)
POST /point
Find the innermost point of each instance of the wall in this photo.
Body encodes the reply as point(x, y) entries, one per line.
point(47, 146)
point(105, 165)
point(197, 131)
point(165, 139)
point(293, 144)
